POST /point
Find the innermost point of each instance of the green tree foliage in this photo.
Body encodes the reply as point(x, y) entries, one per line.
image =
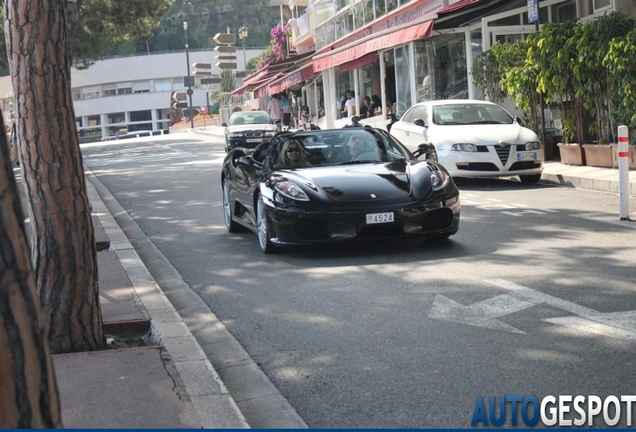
point(206, 18)
point(621, 60)
point(105, 23)
point(486, 76)
point(592, 41)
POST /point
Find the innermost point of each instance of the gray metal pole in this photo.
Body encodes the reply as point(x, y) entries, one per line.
point(189, 91)
point(541, 102)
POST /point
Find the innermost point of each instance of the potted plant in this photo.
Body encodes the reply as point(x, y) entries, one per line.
point(599, 155)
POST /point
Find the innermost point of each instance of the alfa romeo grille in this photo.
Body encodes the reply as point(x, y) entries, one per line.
point(503, 153)
point(253, 134)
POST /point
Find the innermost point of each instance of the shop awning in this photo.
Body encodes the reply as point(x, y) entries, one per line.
point(359, 49)
point(279, 66)
point(264, 89)
point(292, 78)
point(358, 63)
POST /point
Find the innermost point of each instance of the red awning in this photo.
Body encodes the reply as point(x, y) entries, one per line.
point(292, 78)
point(357, 50)
point(278, 66)
point(358, 63)
point(457, 6)
point(264, 89)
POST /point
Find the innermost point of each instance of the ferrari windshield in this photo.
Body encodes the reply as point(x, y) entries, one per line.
point(470, 114)
point(347, 146)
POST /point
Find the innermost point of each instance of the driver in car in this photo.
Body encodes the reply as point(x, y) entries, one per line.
point(293, 154)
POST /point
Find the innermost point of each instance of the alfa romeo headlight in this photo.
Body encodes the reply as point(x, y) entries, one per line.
point(291, 190)
point(533, 145)
point(464, 147)
point(439, 179)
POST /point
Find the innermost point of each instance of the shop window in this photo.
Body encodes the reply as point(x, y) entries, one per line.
point(564, 12)
point(124, 88)
point(358, 16)
point(391, 5)
point(402, 81)
point(403, 2)
point(163, 85)
point(344, 83)
point(506, 21)
point(445, 57)
point(114, 118)
point(141, 87)
point(368, 11)
point(137, 116)
point(109, 90)
point(90, 92)
point(380, 8)
point(93, 121)
point(598, 5)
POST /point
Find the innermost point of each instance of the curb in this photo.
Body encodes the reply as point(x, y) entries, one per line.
point(212, 402)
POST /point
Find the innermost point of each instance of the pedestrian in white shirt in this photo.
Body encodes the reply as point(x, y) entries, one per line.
point(275, 110)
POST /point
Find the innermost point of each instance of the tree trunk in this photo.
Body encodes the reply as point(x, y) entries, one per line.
point(62, 243)
point(28, 390)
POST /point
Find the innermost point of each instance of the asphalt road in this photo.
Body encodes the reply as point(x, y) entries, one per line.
point(533, 296)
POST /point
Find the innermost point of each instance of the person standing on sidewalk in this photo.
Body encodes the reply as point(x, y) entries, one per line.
point(275, 110)
point(287, 110)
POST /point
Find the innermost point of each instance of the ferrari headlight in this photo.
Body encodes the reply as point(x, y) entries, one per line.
point(291, 190)
point(439, 179)
point(235, 134)
point(533, 145)
point(464, 147)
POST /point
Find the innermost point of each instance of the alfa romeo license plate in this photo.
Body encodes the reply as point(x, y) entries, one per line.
point(527, 156)
point(376, 218)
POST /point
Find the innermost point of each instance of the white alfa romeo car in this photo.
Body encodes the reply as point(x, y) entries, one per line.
point(473, 139)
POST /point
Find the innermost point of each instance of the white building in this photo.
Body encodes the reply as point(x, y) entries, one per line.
point(122, 94)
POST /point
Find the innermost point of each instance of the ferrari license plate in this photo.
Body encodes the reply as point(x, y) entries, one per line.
point(376, 218)
point(253, 140)
point(527, 156)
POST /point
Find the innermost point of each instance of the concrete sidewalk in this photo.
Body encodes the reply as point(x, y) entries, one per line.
point(157, 375)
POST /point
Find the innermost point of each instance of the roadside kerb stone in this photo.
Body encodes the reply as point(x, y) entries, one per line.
point(212, 402)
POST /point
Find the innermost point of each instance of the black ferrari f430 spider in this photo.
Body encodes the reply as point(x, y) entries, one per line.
point(312, 187)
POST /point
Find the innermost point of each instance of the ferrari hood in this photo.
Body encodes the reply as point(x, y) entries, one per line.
point(367, 182)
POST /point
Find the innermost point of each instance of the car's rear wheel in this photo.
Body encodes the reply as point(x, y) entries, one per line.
point(263, 227)
point(530, 179)
point(230, 224)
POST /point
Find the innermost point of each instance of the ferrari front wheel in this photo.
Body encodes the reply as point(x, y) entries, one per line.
point(230, 224)
point(263, 227)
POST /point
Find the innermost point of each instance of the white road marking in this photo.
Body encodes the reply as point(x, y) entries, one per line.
point(481, 314)
point(618, 325)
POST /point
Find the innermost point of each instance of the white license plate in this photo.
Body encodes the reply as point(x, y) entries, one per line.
point(527, 156)
point(376, 218)
point(253, 140)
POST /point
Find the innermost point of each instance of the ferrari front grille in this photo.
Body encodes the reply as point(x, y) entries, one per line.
point(438, 219)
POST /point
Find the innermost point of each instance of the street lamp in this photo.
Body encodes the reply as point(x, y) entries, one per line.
point(243, 36)
point(188, 79)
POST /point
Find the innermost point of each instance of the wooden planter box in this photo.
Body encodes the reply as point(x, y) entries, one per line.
point(598, 155)
point(631, 158)
point(572, 154)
